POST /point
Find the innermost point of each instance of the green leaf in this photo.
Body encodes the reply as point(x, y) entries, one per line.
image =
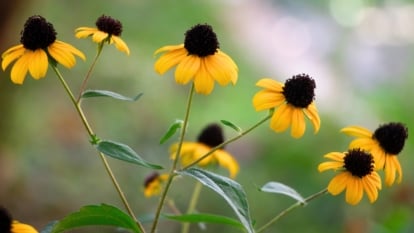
point(231, 125)
point(104, 93)
point(123, 152)
point(205, 218)
point(276, 187)
point(231, 191)
point(171, 131)
point(92, 215)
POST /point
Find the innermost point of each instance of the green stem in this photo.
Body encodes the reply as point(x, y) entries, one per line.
point(290, 208)
point(175, 162)
point(192, 205)
point(88, 75)
point(93, 138)
point(230, 140)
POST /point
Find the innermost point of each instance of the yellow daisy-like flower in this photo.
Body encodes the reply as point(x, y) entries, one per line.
point(294, 100)
point(356, 175)
point(384, 144)
point(153, 184)
point(209, 138)
point(198, 59)
point(38, 45)
point(108, 30)
point(7, 225)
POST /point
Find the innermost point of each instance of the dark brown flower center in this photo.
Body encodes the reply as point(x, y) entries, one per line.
point(391, 137)
point(37, 33)
point(201, 40)
point(211, 136)
point(109, 25)
point(358, 162)
point(5, 221)
point(299, 90)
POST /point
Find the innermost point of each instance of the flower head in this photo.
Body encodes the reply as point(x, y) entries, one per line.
point(209, 138)
point(198, 59)
point(294, 100)
point(384, 144)
point(107, 30)
point(153, 184)
point(7, 225)
point(356, 175)
point(38, 45)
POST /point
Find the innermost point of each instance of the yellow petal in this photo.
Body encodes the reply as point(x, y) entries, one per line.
point(120, 44)
point(38, 63)
point(227, 161)
point(63, 53)
point(83, 32)
point(170, 59)
point(20, 68)
point(312, 113)
point(338, 183)
point(370, 189)
point(267, 99)
point(11, 55)
point(357, 131)
point(281, 118)
point(270, 84)
point(203, 82)
point(298, 123)
point(187, 69)
point(354, 191)
point(18, 227)
point(217, 69)
point(170, 48)
point(392, 166)
point(228, 65)
point(337, 156)
point(330, 165)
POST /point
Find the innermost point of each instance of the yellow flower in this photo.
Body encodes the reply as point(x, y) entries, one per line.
point(153, 184)
point(13, 226)
point(38, 44)
point(384, 144)
point(198, 59)
point(356, 175)
point(108, 30)
point(293, 100)
point(209, 138)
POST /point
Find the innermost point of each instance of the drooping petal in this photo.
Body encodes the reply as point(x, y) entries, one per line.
point(83, 32)
point(203, 82)
point(370, 189)
point(337, 156)
point(354, 190)
point(227, 161)
point(170, 48)
point(392, 166)
point(38, 63)
point(11, 55)
point(229, 66)
point(298, 123)
point(330, 165)
point(63, 53)
point(187, 68)
point(18, 227)
point(357, 131)
point(338, 183)
point(270, 84)
point(217, 69)
point(20, 68)
point(267, 99)
point(312, 113)
point(120, 44)
point(281, 118)
point(170, 59)
point(99, 36)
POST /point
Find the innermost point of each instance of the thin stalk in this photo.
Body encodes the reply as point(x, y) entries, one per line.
point(93, 137)
point(88, 75)
point(230, 140)
point(192, 205)
point(175, 162)
point(290, 208)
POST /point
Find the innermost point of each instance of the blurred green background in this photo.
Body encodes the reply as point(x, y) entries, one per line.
point(360, 54)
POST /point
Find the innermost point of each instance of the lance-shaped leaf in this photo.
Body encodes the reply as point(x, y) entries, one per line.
point(276, 187)
point(123, 152)
point(105, 93)
point(231, 125)
point(96, 215)
point(231, 191)
point(171, 131)
point(205, 218)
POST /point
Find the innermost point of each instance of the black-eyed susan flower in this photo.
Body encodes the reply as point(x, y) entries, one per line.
point(210, 137)
point(384, 144)
point(8, 225)
point(356, 175)
point(38, 46)
point(199, 59)
point(107, 30)
point(294, 100)
point(153, 184)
